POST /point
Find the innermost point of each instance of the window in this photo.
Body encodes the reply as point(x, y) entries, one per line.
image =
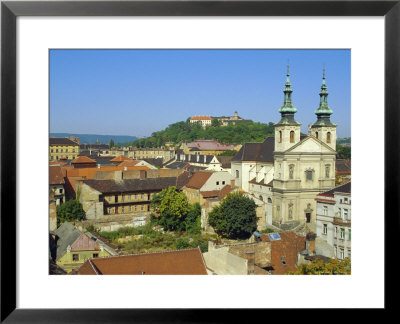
point(95, 255)
point(217, 183)
point(280, 136)
point(237, 173)
point(316, 135)
point(283, 260)
point(56, 150)
point(340, 212)
point(336, 231)
point(135, 196)
point(75, 257)
point(346, 200)
point(349, 234)
point(261, 198)
point(325, 210)
point(328, 137)
point(291, 136)
point(142, 207)
point(51, 150)
point(123, 209)
point(309, 175)
point(135, 208)
point(130, 208)
point(62, 151)
point(61, 191)
point(269, 200)
point(345, 214)
point(341, 255)
point(342, 231)
point(349, 254)
point(325, 229)
point(223, 182)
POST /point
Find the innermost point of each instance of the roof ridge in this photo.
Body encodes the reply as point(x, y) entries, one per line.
point(142, 253)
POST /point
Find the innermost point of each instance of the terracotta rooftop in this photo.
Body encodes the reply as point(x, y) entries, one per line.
point(83, 159)
point(121, 158)
point(198, 179)
point(221, 194)
point(127, 163)
point(55, 175)
point(285, 251)
point(200, 118)
point(181, 262)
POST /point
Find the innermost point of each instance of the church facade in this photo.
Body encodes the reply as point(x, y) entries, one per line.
point(287, 171)
point(304, 165)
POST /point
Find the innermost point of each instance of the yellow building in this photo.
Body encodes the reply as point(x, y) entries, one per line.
point(73, 247)
point(62, 148)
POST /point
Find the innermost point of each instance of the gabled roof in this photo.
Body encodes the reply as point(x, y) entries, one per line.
point(220, 194)
point(260, 152)
point(120, 158)
point(67, 235)
point(225, 161)
point(310, 138)
point(198, 179)
point(83, 159)
point(128, 163)
point(56, 175)
point(84, 243)
point(61, 141)
point(180, 262)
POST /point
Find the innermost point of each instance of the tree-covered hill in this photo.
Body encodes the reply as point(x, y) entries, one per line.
point(186, 132)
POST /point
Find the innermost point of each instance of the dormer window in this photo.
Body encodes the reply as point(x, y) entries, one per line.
point(328, 137)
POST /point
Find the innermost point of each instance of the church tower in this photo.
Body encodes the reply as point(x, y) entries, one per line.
point(323, 128)
point(287, 130)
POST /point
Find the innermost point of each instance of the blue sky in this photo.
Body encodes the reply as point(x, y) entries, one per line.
point(137, 92)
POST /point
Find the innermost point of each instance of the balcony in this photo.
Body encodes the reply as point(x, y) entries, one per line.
point(341, 221)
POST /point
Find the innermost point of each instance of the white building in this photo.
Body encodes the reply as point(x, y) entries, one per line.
point(203, 120)
point(334, 222)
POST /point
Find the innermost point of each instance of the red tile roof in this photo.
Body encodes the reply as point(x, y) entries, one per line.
point(120, 158)
point(210, 145)
point(55, 175)
point(181, 262)
point(83, 159)
point(198, 179)
point(201, 118)
point(287, 247)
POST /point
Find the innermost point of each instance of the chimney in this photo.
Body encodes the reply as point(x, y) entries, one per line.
point(310, 243)
point(250, 262)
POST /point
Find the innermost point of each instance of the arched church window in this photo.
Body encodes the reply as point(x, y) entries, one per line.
point(291, 171)
point(291, 136)
point(237, 173)
point(261, 198)
point(328, 137)
point(269, 200)
point(280, 136)
point(316, 135)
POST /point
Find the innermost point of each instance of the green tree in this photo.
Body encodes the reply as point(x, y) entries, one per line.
point(70, 211)
point(112, 144)
point(343, 152)
point(319, 267)
point(173, 209)
point(235, 217)
point(193, 219)
point(215, 122)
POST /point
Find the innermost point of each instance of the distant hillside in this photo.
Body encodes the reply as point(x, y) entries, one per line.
point(93, 138)
point(187, 132)
point(344, 140)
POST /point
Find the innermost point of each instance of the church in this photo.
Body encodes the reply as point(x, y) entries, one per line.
point(289, 170)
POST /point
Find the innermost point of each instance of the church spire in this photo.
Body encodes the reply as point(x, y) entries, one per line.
point(288, 110)
point(323, 112)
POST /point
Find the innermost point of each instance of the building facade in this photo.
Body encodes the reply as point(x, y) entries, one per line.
point(62, 148)
point(334, 222)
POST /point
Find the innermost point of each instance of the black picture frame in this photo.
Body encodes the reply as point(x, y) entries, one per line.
point(10, 10)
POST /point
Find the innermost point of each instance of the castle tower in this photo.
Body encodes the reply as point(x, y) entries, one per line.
point(323, 128)
point(287, 130)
